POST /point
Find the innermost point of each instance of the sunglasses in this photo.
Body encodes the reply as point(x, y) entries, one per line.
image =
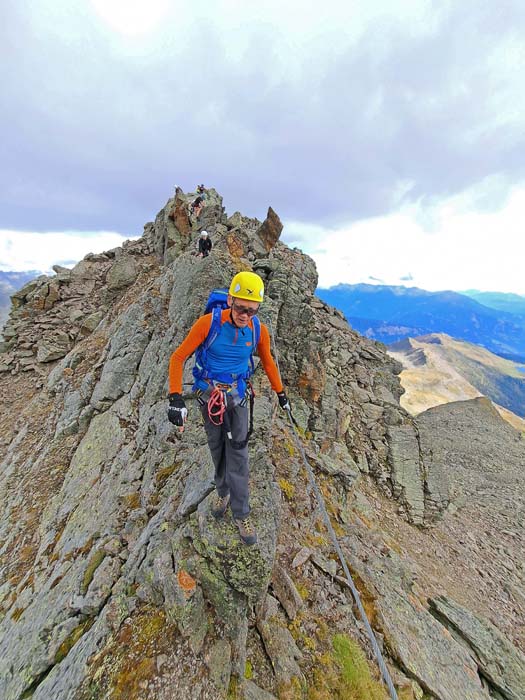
point(244, 310)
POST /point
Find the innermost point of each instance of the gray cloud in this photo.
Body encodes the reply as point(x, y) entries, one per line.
point(95, 136)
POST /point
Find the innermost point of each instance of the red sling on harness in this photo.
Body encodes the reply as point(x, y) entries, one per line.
point(216, 407)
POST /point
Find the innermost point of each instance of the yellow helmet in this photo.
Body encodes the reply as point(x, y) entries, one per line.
point(247, 285)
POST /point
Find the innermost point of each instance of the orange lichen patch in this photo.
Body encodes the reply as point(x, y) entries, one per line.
point(124, 635)
point(364, 520)
point(315, 539)
point(326, 445)
point(312, 379)
point(235, 246)
point(131, 500)
point(154, 499)
point(23, 558)
point(186, 583)
point(26, 554)
point(131, 684)
point(124, 667)
point(180, 217)
point(368, 599)
point(162, 476)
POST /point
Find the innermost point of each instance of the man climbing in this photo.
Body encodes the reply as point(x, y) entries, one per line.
point(205, 245)
point(223, 390)
point(196, 206)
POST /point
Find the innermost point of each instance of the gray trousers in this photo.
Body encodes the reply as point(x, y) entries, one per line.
point(231, 466)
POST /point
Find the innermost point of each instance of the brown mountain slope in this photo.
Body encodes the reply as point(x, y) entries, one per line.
point(438, 369)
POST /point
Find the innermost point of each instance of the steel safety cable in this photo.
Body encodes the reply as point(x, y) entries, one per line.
point(311, 477)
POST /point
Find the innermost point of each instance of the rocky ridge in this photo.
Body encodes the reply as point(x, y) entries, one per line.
point(116, 582)
point(439, 369)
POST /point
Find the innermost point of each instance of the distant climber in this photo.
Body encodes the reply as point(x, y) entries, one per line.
point(201, 189)
point(205, 244)
point(229, 337)
point(196, 206)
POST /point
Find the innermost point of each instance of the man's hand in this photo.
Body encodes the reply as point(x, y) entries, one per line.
point(177, 411)
point(283, 401)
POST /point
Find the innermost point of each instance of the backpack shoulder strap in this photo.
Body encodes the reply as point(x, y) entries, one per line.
point(256, 331)
point(201, 355)
point(215, 327)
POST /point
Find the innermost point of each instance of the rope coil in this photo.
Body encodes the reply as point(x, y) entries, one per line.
point(216, 407)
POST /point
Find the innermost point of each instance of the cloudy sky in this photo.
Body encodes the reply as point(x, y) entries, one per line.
point(389, 136)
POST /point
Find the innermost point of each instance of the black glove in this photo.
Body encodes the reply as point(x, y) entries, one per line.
point(283, 401)
point(177, 410)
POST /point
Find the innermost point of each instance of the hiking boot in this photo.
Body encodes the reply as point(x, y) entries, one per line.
point(220, 505)
point(246, 531)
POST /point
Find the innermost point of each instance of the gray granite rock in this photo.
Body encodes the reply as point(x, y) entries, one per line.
point(198, 485)
point(129, 338)
point(253, 692)
point(122, 273)
point(286, 592)
point(278, 642)
point(407, 472)
point(420, 644)
point(500, 663)
point(53, 346)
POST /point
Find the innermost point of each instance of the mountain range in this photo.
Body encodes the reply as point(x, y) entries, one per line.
point(389, 314)
point(513, 303)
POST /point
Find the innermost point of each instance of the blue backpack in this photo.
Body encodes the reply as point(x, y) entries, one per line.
point(217, 301)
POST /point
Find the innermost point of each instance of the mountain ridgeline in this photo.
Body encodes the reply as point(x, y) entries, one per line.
point(512, 303)
point(116, 583)
point(389, 314)
point(439, 369)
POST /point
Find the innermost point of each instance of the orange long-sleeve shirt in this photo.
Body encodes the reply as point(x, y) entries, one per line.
point(198, 334)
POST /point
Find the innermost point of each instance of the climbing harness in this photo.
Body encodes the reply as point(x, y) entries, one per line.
point(241, 444)
point(322, 506)
point(217, 406)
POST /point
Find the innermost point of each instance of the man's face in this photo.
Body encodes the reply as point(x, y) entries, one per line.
point(242, 310)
